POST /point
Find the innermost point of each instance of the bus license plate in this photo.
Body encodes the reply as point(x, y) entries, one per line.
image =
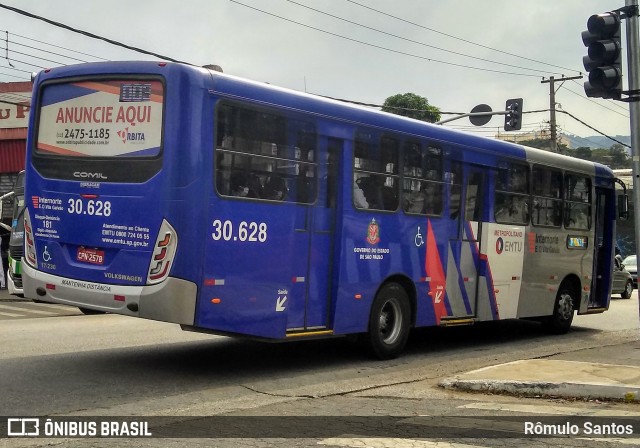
point(93, 256)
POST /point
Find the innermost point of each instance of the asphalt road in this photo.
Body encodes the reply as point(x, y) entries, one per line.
point(107, 365)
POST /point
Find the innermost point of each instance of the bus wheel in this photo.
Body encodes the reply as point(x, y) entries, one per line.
point(628, 290)
point(389, 322)
point(560, 321)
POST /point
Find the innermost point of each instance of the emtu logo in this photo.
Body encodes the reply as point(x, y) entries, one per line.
point(36, 201)
point(499, 246)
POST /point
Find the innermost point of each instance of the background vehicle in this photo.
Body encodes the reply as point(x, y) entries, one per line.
point(622, 280)
point(16, 239)
point(180, 194)
point(631, 264)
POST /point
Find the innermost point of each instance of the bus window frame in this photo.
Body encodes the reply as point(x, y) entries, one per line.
point(290, 125)
point(504, 167)
point(374, 140)
point(424, 178)
point(535, 197)
point(568, 204)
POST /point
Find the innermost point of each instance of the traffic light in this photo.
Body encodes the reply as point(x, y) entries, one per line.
point(513, 118)
point(604, 60)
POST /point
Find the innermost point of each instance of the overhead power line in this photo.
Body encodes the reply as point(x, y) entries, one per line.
point(52, 45)
point(381, 47)
point(88, 34)
point(462, 113)
point(415, 41)
point(458, 38)
point(44, 51)
point(592, 128)
point(593, 101)
point(611, 102)
point(140, 50)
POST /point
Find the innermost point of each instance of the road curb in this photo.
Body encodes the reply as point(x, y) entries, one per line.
point(565, 389)
point(562, 378)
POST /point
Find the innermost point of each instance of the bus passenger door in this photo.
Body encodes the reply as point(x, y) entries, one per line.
point(462, 270)
point(602, 251)
point(315, 235)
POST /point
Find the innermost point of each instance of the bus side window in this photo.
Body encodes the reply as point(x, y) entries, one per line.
point(261, 155)
point(422, 190)
point(577, 202)
point(375, 172)
point(546, 190)
point(511, 200)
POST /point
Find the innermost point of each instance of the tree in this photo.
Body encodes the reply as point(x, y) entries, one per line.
point(412, 106)
point(583, 152)
point(543, 143)
point(619, 157)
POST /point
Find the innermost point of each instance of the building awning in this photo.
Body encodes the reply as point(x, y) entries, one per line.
point(12, 155)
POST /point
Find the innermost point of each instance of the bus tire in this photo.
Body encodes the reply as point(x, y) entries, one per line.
point(563, 310)
point(389, 322)
point(628, 290)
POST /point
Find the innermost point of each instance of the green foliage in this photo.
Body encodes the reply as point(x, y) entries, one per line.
point(412, 106)
point(615, 157)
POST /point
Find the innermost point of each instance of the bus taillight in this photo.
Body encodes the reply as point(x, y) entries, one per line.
point(29, 244)
point(163, 253)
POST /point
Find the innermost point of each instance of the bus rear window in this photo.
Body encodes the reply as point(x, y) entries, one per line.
point(115, 118)
point(107, 130)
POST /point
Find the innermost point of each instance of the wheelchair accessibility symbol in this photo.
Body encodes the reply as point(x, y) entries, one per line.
point(418, 239)
point(46, 256)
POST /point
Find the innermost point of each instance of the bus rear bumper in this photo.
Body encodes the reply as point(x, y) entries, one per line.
point(173, 300)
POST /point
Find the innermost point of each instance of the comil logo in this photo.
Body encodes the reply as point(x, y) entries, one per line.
point(85, 175)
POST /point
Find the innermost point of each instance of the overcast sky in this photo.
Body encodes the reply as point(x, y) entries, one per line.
point(373, 56)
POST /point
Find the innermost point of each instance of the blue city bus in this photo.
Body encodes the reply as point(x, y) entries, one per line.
point(181, 194)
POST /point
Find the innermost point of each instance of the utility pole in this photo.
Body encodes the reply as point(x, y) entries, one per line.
point(552, 107)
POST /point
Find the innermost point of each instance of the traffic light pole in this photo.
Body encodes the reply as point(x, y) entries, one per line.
point(633, 62)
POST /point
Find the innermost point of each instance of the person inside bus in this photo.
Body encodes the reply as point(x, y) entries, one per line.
point(275, 188)
point(514, 209)
point(239, 184)
point(579, 219)
point(415, 201)
point(372, 189)
point(358, 195)
point(304, 185)
point(255, 186)
point(433, 202)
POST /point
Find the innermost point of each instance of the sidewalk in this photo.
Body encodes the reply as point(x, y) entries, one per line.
point(616, 377)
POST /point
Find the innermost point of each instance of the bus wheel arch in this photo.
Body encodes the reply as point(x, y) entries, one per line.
point(390, 319)
point(566, 303)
